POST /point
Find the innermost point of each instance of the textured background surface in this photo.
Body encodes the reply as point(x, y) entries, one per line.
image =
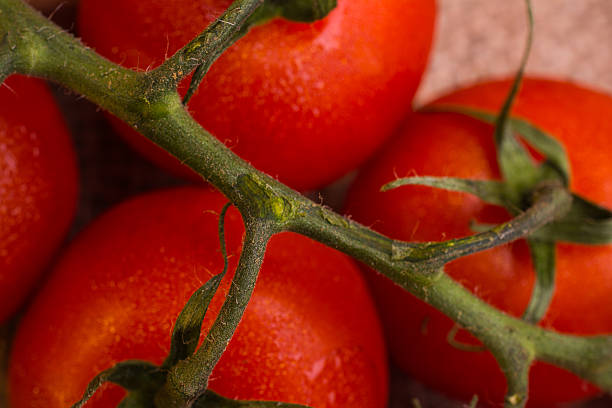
point(475, 39)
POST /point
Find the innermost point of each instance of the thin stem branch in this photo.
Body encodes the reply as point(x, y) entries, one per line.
point(187, 381)
point(550, 202)
point(203, 50)
point(516, 365)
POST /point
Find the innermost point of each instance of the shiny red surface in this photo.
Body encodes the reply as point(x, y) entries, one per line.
point(444, 144)
point(38, 184)
point(303, 102)
point(310, 334)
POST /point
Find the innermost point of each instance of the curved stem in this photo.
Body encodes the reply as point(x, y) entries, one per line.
point(188, 379)
point(550, 202)
point(303, 216)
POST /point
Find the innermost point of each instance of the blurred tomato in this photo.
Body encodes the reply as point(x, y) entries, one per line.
point(38, 186)
point(445, 144)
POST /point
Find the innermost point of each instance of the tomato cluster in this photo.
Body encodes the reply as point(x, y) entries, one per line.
point(306, 103)
point(285, 97)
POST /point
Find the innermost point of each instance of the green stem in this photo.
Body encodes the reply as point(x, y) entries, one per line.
point(203, 50)
point(187, 381)
point(6, 59)
point(516, 365)
point(39, 48)
point(400, 259)
point(514, 341)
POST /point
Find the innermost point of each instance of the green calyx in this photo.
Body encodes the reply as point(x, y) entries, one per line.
point(585, 222)
point(522, 178)
point(136, 377)
point(303, 11)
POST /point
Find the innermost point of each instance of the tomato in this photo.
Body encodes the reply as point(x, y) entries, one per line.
point(446, 144)
point(303, 102)
point(37, 186)
point(310, 334)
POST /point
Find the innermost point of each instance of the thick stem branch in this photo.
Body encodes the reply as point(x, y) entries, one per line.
point(515, 366)
point(187, 381)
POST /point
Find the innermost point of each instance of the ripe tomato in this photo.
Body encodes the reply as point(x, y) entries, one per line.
point(310, 334)
point(304, 102)
point(445, 144)
point(37, 186)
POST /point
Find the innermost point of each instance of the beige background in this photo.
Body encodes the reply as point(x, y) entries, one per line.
point(477, 39)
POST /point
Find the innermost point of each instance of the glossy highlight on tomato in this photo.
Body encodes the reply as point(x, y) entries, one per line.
point(310, 334)
point(447, 144)
point(38, 186)
point(305, 103)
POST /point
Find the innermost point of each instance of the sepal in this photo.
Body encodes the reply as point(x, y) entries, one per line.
point(490, 191)
point(132, 375)
point(537, 138)
point(585, 223)
point(186, 332)
point(543, 258)
point(303, 11)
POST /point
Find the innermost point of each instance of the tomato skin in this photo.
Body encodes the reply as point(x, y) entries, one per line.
point(118, 289)
point(445, 144)
point(38, 184)
point(303, 102)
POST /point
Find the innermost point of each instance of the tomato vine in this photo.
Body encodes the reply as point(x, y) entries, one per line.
point(149, 102)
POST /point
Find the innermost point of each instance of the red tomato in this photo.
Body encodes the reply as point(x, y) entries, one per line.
point(304, 102)
point(310, 334)
point(444, 144)
point(37, 186)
